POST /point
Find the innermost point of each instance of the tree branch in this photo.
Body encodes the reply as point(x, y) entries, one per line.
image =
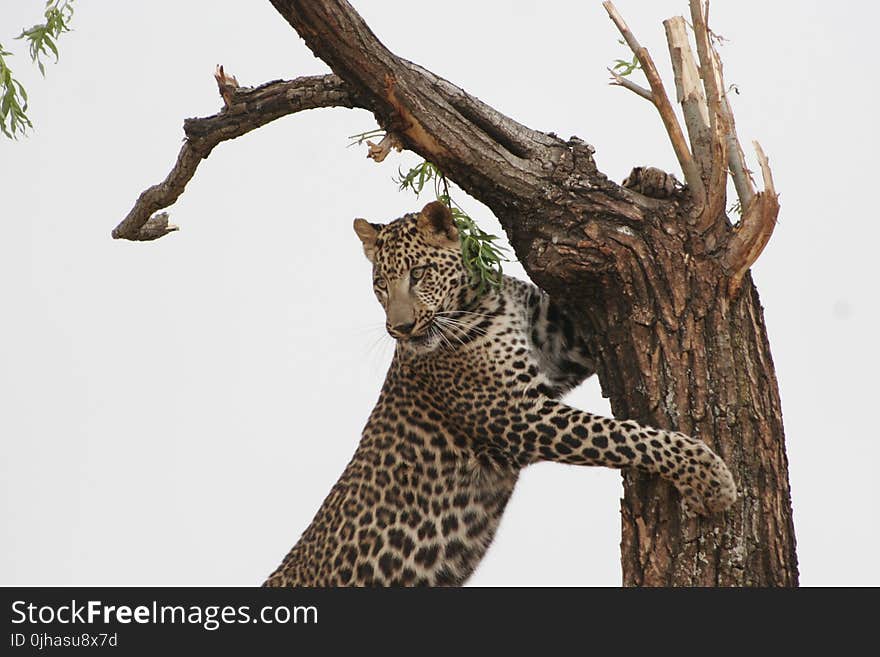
point(639, 90)
point(473, 144)
point(246, 109)
point(664, 107)
point(736, 162)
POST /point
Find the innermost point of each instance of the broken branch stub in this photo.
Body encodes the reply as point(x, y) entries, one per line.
point(226, 84)
point(378, 152)
point(754, 229)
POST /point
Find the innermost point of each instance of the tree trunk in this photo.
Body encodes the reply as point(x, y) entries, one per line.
point(662, 282)
point(675, 352)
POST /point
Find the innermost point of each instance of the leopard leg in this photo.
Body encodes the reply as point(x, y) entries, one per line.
point(552, 431)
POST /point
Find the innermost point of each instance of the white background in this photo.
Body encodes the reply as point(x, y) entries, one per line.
point(174, 412)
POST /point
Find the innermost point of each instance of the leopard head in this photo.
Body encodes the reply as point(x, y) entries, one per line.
point(418, 273)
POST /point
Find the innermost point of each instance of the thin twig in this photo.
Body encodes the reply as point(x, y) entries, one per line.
point(621, 81)
point(664, 107)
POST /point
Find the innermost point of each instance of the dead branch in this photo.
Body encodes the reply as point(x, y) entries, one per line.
point(754, 229)
point(736, 163)
point(664, 107)
point(717, 182)
point(689, 92)
point(246, 109)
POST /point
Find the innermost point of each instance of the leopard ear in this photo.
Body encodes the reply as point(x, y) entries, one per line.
point(368, 233)
point(436, 223)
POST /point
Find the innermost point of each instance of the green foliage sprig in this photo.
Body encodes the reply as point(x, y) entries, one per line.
point(13, 101)
point(482, 256)
point(624, 67)
point(41, 40)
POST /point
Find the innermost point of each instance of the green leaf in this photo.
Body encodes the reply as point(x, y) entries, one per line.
point(481, 257)
point(52, 47)
point(21, 90)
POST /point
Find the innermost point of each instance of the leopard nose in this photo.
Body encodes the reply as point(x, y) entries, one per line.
point(401, 330)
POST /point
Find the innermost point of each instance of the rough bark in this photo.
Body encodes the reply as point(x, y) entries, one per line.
point(679, 330)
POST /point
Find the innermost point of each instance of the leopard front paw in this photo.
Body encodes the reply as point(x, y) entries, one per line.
point(703, 479)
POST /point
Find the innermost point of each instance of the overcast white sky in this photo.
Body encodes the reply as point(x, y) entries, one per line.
point(174, 412)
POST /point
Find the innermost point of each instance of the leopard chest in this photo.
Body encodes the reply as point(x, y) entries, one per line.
point(421, 505)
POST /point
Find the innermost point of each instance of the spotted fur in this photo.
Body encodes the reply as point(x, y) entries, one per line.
point(470, 399)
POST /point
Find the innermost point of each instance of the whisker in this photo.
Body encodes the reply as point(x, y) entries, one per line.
point(360, 330)
point(376, 353)
point(450, 328)
point(466, 328)
point(439, 330)
point(462, 312)
point(454, 332)
point(444, 338)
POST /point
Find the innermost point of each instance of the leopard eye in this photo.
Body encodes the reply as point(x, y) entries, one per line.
point(380, 283)
point(416, 273)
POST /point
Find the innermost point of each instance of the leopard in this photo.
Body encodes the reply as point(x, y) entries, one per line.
point(471, 398)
